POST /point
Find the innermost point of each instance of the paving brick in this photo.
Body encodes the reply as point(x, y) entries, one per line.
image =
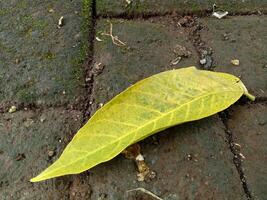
point(29, 142)
point(148, 7)
point(149, 49)
point(242, 38)
point(249, 124)
point(39, 62)
point(211, 173)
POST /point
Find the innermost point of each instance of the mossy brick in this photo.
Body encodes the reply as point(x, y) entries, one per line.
point(149, 49)
point(211, 173)
point(29, 142)
point(249, 124)
point(152, 7)
point(40, 62)
point(242, 38)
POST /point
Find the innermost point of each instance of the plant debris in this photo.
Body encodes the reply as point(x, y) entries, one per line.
point(146, 192)
point(144, 172)
point(115, 39)
point(60, 22)
point(12, 109)
point(235, 62)
point(219, 14)
point(176, 60)
point(98, 68)
point(186, 21)
point(182, 51)
point(128, 2)
point(98, 39)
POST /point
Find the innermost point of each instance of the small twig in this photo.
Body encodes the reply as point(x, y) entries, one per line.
point(146, 192)
point(114, 39)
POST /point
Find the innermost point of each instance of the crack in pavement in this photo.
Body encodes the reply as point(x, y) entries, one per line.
point(237, 156)
point(131, 15)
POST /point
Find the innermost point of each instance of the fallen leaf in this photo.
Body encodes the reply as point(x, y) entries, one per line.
point(149, 106)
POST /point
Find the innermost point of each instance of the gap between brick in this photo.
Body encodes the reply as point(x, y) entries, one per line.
point(237, 160)
point(203, 13)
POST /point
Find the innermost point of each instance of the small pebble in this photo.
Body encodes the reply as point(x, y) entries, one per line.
point(203, 61)
point(12, 109)
point(51, 153)
point(42, 119)
point(235, 62)
point(51, 10)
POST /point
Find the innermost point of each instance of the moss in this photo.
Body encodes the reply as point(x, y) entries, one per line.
point(49, 55)
point(5, 11)
point(30, 24)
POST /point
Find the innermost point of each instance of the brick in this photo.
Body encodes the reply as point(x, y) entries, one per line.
point(39, 62)
point(148, 7)
point(26, 141)
point(248, 124)
point(242, 38)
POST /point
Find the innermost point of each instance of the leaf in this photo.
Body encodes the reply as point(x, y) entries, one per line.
point(149, 106)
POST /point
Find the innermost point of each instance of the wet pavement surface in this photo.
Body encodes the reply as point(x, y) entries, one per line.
point(50, 79)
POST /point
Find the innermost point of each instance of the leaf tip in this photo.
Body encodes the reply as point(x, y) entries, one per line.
point(41, 177)
point(35, 179)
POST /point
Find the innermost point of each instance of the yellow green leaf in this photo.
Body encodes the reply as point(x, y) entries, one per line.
point(151, 105)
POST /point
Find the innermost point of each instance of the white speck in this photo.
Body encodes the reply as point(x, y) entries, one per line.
point(128, 2)
point(60, 22)
point(235, 62)
point(242, 156)
point(51, 10)
point(176, 60)
point(139, 158)
point(42, 119)
point(203, 61)
point(98, 39)
point(12, 109)
point(219, 14)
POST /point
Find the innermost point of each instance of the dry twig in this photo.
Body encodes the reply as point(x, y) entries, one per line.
point(114, 39)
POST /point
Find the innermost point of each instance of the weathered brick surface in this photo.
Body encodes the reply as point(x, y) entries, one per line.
point(242, 38)
point(249, 124)
point(39, 62)
point(147, 7)
point(26, 141)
